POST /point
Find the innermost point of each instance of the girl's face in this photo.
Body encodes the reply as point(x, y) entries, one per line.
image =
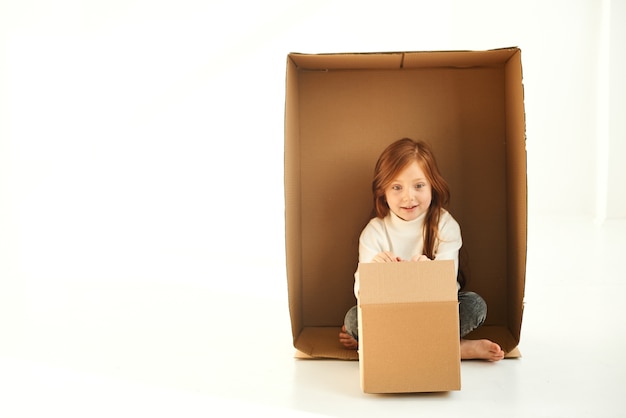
point(409, 194)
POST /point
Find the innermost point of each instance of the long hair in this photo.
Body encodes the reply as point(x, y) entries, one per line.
point(394, 159)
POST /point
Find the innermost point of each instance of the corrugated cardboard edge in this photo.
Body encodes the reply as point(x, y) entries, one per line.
point(517, 195)
point(293, 244)
point(404, 59)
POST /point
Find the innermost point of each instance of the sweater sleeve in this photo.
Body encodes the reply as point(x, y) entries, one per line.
point(450, 240)
point(371, 242)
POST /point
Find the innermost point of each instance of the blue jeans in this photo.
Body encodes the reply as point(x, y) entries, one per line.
point(472, 314)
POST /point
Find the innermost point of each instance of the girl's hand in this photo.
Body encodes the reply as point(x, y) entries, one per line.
point(386, 257)
point(420, 258)
point(347, 340)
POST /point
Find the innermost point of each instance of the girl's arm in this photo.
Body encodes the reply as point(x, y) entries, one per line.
point(450, 240)
point(373, 245)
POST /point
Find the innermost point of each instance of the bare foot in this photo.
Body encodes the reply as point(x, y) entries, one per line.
point(481, 349)
point(347, 340)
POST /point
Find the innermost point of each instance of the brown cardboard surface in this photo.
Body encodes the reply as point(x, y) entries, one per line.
point(323, 342)
point(341, 111)
point(409, 327)
point(412, 348)
point(408, 282)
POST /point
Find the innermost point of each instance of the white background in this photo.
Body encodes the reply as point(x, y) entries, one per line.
point(141, 152)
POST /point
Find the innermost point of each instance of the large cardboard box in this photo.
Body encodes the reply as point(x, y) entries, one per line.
point(409, 327)
point(341, 111)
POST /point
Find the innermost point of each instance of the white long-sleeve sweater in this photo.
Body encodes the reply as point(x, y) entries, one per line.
point(405, 239)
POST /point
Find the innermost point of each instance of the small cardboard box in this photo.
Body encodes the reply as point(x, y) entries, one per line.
point(341, 111)
point(409, 327)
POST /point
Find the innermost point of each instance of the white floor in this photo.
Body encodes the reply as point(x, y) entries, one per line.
point(142, 349)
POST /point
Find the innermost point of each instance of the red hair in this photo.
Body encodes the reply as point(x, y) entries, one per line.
point(394, 159)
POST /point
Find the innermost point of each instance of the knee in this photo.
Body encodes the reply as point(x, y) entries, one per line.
point(351, 321)
point(472, 311)
point(476, 304)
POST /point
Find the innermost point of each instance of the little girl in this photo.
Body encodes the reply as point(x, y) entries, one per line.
point(411, 224)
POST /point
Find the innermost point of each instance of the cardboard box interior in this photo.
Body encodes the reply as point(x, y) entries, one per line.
point(341, 111)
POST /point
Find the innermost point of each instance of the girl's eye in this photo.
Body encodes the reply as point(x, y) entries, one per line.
point(396, 187)
point(420, 185)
